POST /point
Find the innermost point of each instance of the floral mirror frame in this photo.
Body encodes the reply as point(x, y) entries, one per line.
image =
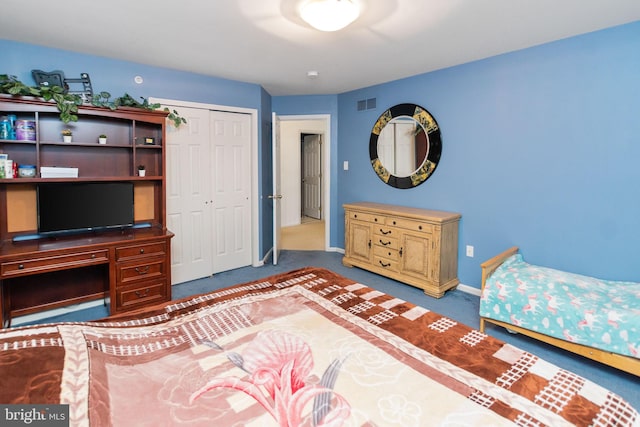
point(433, 148)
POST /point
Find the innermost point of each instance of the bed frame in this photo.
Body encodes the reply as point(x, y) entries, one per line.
point(624, 363)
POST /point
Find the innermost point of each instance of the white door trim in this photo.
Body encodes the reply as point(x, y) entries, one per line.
point(256, 261)
point(326, 172)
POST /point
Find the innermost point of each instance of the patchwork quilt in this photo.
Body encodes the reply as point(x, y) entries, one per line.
point(303, 348)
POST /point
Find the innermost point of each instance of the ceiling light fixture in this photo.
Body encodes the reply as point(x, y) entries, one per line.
point(329, 15)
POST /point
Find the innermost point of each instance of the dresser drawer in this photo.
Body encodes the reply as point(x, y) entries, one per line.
point(142, 250)
point(385, 263)
point(408, 224)
point(387, 253)
point(385, 231)
point(368, 217)
point(141, 294)
point(53, 263)
point(149, 268)
point(385, 242)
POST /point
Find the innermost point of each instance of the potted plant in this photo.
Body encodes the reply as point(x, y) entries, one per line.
point(67, 135)
point(102, 139)
point(141, 170)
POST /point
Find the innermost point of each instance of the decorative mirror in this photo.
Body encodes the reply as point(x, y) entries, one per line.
point(405, 146)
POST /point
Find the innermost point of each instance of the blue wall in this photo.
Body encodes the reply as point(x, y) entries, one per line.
point(541, 149)
point(319, 104)
point(116, 77)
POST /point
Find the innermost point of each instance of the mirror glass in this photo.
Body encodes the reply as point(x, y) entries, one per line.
point(405, 146)
point(402, 146)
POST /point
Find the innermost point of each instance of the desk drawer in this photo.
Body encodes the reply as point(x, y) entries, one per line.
point(141, 294)
point(142, 270)
point(53, 263)
point(143, 250)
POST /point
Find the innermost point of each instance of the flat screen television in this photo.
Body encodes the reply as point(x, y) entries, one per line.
point(65, 207)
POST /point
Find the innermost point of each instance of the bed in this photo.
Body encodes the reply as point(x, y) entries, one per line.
point(303, 348)
point(594, 318)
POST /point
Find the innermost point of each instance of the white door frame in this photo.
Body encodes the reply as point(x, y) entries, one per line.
point(256, 260)
point(326, 171)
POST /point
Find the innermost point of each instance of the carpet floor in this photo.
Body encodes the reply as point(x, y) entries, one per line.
point(456, 304)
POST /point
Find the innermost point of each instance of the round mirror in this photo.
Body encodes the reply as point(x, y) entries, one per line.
point(405, 146)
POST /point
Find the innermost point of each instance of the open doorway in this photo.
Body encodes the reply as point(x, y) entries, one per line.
point(311, 172)
point(304, 186)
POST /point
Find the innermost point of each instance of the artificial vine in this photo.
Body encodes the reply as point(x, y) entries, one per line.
point(68, 103)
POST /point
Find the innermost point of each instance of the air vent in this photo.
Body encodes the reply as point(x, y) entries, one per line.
point(366, 104)
point(371, 103)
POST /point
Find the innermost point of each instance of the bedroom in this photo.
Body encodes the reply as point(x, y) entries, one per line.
point(539, 145)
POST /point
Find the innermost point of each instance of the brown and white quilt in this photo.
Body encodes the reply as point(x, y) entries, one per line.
point(303, 348)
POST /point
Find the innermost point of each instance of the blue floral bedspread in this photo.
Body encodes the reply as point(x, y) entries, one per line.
point(599, 313)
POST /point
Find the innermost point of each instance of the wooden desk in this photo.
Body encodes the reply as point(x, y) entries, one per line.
point(131, 267)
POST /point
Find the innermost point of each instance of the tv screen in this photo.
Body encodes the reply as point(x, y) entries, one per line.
point(68, 207)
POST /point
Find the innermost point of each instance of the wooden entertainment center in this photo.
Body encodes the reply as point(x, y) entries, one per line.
point(129, 266)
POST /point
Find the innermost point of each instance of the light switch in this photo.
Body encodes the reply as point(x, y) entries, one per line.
point(345, 165)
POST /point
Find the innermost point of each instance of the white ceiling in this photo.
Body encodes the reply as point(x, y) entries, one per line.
point(265, 42)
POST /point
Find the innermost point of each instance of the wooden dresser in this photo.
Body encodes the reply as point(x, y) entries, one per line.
point(414, 246)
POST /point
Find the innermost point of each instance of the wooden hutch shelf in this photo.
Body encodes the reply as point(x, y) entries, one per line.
point(130, 266)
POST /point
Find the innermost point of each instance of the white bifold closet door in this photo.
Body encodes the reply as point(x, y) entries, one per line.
point(208, 192)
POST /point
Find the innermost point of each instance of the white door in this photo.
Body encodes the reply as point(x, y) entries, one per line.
point(277, 195)
point(231, 191)
point(405, 148)
point(188, 196)
point(312, 176)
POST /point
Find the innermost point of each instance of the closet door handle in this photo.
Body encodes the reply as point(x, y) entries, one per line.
point(400, 251)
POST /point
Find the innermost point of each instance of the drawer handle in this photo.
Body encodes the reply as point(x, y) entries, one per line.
point(21, 267)
point(385, 232)
point(384, 243)
point(419, 227)
point(142, 294)
point(142, 250)
point(384, 265)
point(394, 223)
point(375, 219)
point(93, 256)
point(142, 270)
point(355, 215)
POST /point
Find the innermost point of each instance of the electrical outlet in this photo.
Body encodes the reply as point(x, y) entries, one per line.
point(470, 251)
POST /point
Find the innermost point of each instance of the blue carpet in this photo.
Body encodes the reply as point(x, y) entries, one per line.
point(460, 306)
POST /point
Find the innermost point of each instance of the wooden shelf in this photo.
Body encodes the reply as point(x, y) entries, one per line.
point(53, 272)
point(18, 181)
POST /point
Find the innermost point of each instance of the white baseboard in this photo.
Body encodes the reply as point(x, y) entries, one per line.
point(469, 289)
